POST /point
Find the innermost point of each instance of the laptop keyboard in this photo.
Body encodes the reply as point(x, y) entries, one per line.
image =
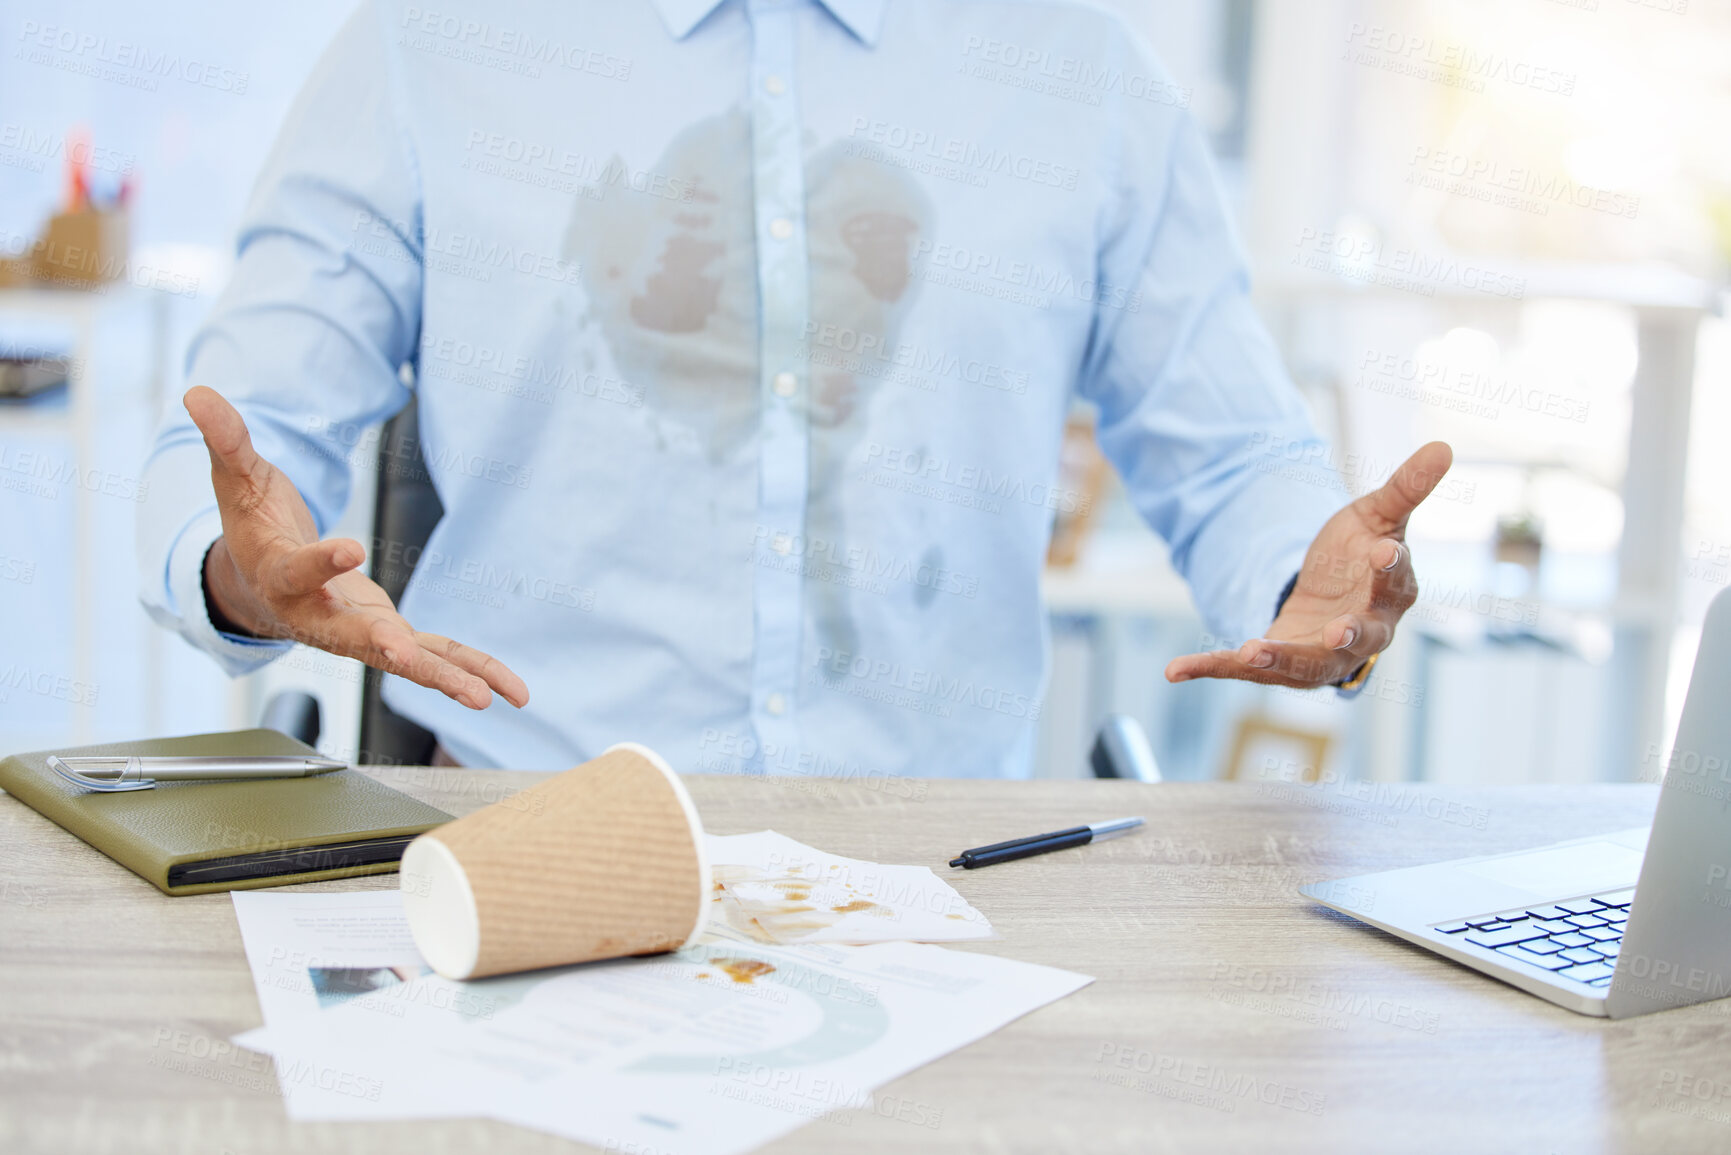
point(1578, 939)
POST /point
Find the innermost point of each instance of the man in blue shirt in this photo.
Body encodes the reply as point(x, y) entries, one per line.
point(743, 335)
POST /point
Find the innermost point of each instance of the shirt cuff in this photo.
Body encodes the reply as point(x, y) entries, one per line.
point(1285, 592)
point(235, 654)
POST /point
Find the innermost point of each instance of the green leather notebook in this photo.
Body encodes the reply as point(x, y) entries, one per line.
point(194, 837)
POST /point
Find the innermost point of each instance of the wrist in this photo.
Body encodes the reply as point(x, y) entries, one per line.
point(221, 582)
point(1350, 685)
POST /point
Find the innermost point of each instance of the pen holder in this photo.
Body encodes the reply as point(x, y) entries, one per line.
point(602, 861)
point(83, 249)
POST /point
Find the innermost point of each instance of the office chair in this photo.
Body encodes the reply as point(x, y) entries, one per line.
point(405, 510)
point(1121, 750)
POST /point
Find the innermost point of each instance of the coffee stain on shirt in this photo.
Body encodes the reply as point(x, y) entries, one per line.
point(673, 285)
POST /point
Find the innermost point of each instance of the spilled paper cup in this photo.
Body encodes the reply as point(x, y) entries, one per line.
point(602, 861)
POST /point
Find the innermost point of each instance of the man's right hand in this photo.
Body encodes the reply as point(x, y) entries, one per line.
point(271, 575)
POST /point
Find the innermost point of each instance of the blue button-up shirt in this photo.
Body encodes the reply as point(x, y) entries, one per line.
point(743, 335)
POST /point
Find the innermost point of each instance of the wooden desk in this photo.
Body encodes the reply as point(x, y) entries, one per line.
point(1209, 969)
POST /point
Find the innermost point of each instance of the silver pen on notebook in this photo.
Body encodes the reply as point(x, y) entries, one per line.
point(144, 771)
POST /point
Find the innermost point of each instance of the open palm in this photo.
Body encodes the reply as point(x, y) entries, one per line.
point(271, 575)
point(1356, 582)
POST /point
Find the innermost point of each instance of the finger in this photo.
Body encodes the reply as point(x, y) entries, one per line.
point(1358, 635)
point(428, 669)
point(224, 431)
point(388, 644)
point(483, 665)
point(1394, 584)
point(308, 567)
point(1225, 664)
point(1302, 663)
point(1391, 505)
point(1182, 669)
point(391, 647)
point(1388, 554)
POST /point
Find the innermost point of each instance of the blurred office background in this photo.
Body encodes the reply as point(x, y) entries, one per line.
point(1502, 223)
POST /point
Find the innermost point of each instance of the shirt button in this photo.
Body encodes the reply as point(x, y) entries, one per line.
point(786, 384)
point(775, 704)
point(781, 544)
point(774, 85)
point(781, 228)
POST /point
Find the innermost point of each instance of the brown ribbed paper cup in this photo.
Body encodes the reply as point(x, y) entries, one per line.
point(601, 861)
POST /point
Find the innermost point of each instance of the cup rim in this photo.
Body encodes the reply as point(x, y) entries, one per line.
point(694, 823)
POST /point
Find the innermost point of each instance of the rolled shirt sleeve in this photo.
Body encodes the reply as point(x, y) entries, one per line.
point(1196, 411)
point(308, 337)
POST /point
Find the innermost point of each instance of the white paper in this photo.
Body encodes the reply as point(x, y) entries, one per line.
point(773, 889)
point(712, 1050)
point(300, 948)
point(289, 936)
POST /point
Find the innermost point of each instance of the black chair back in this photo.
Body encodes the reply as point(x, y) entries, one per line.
point(405, 510)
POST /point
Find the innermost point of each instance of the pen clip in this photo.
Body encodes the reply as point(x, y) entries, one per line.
point(117, 784)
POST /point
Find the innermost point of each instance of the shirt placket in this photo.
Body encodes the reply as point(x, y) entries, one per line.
point(778, 184)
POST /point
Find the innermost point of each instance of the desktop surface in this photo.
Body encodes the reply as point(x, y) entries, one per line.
point(1229, 1013)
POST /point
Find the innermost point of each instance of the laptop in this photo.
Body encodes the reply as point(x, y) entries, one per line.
point(1614, 925)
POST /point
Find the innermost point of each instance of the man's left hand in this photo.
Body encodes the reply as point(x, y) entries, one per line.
point(1356, 582)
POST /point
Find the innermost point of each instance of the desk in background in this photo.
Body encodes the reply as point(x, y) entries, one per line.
point(1213, 977)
